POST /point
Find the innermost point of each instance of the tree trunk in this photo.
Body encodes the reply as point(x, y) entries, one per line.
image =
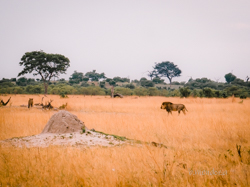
point(170, 81)
point(112, 92)
point(45, 87)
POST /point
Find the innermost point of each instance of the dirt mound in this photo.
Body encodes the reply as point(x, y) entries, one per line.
point(63, 122)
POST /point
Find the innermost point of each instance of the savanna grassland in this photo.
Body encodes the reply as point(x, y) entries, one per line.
point(201, 146)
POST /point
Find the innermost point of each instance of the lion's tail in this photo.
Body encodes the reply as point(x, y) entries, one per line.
point(186, 109)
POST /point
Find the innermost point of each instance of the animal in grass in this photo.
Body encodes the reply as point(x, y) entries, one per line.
point(46, 101)
point(2, 103)
point(30, 102)
point(48, 106)
point(173, 107)
point(64, 106)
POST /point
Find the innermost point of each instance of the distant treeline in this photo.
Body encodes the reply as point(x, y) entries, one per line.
point(197, 88)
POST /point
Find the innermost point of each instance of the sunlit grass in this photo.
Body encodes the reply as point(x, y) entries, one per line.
point(204, 139)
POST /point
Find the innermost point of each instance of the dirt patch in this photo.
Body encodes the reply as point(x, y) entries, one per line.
point(87, 139)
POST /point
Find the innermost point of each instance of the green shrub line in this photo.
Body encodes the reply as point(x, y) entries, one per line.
point(195, 88)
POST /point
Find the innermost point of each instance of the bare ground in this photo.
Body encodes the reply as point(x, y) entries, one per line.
point(87, 139)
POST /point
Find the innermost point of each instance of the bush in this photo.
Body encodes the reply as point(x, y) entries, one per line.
point(62, 95)
point(175, 93)
point(185, 92)
point(130, 86)
point(147, 83)
point(84, 84)
point(123, 91)
point(196, 93)
point(102, 84)
point(153, 91)
point(208, 92)
point(141, 91)
point(243, 95)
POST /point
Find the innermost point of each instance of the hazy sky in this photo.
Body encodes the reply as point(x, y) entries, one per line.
point(205, 38)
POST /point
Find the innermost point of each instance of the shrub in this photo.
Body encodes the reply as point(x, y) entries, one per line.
point(84, 84)
point(123, 91)
point(185, 92)
point(141, 91)
point(130, 86)
point(153, 91)
point(208, 92)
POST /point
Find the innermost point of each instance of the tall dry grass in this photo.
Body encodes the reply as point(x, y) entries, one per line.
point(202, 141)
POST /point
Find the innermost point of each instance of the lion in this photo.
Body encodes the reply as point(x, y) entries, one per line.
point(173, 107)
point(30, 102)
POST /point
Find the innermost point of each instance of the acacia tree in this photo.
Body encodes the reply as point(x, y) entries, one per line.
point(45, 65)
point(167, 69)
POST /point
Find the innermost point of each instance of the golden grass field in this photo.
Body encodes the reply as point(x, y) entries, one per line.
point(201, 146)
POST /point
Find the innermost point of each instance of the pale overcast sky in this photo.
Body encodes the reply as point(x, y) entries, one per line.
point(205, 38)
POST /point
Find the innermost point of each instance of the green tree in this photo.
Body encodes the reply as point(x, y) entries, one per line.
point(152, 74)
point(167, 69)
point(102, 84)
point(143, 79)
point(238, 81)
point(147, 83)
point(95, 76)
point(76, 77)
point(45, 65)
point(230, 77)
point(130, 86)
point(22, 81)
point(158, 80)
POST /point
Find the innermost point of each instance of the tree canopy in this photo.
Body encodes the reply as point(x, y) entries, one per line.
point(230, 77)
point(95, 76)
point(76, 77)
point(45, 65)
point(167, 69)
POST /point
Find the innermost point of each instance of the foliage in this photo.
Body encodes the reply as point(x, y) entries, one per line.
point(43, 64)
point(62, 95)
point(102, 84)
point(119, 79)
point(153, 91)
point(147, 83)
point(6, 84)
point(230, 77)
point(123, 91)
point(143, 79)
point(208, 92)
point(195, 93)
point(152, 74)
point(84, 84)
point(130, 86)
point(167, 69)
point(141, 91)
point(76, 78)
point(93, 76)
point(158, 80)
point(238, 81)
point(185, 92)
point(203, 83)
